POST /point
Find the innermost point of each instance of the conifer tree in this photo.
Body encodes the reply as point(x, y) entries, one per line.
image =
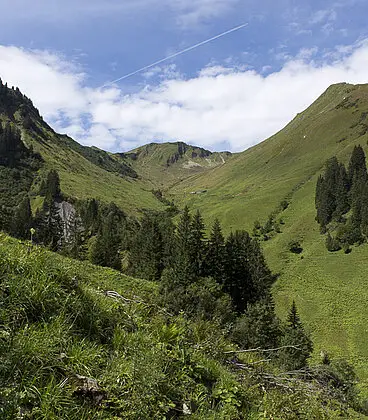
point(22, 220)
point(183, 265)
point(49, 226)
point(197, 244)
point(53, 191)
point(357, 165)
point(247, 278)
point(215, 260)
point(106, 251)
point(259, 327)
point(341, 193)
point(147, 250)
point(296, 342)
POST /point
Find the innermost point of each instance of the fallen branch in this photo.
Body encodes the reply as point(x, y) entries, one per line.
point(260, 350)
point(115, 295)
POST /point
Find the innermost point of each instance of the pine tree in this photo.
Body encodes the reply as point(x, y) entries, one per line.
point(183, 266)
point(258, 327)
point(341, 193)
point(364, 210)
point(147, 250)
point(197, 245)
point(357, 165)
point(49, 226)
point(247, 278)
point(108, 244)
point(215, 259)
point(22, 220)
point(296, 342)
point(53, 191)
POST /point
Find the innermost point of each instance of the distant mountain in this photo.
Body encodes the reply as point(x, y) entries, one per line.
point(165, 164)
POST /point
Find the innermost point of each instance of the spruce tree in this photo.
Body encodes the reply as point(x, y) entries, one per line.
point(197, 244)
point(357, 164)
point(49, 226)
point(108, 244)
point(22, 220)
point(53, 191)
point(183, 265)
point(215, 259)
point(258, 327)
point(247, 278)
point(296, 342)
point(341, 193)
point(147, 250)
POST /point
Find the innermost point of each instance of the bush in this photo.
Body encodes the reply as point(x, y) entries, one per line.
point(295, 247)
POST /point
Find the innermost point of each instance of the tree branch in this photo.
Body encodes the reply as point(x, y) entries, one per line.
point(260, 350)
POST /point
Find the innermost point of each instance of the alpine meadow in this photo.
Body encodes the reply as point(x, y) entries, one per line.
point(174, 282)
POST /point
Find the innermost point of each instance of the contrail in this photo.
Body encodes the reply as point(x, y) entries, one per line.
point(175, 55)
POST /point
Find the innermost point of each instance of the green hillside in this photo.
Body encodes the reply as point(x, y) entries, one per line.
point(80, 342)
point(166, 164)
point(329, 288)
point(85, 172)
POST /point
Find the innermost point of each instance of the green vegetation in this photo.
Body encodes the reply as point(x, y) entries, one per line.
point(79, 341)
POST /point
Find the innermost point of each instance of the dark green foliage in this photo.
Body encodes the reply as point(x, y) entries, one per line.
point(183, 264)
point(339, 192)
point(357, 165)
point(203, 299)
point(108, 244)
point(49, 226)
point(215, 259)
point(22, 220)
point(12, 149)
point(18, 165)
point(247, 278)
point(332, 244)
point(295, 247)
point(258, 327)
point(300, 345)
point(198, 245)
point(52, 186)
point(151, 246)
point(328, 188)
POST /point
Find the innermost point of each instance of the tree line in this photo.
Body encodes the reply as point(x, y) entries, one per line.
point(342, 201)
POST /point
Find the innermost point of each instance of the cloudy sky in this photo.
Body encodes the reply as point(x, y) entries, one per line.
point(228, 94)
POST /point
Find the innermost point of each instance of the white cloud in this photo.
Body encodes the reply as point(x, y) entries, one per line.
point(322, 16)
point(236, 106)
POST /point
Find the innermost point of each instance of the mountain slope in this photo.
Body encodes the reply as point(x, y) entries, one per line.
point(254, 182)
point(165, 164)
point(82, 342)
point(329, 288)
point(85, 172)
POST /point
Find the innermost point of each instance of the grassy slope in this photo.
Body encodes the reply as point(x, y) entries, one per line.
point(57, 323)
point(151, 162)
point(82, 179)
point(330, 289)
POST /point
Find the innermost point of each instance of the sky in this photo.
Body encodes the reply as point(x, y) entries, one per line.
point(228, 94)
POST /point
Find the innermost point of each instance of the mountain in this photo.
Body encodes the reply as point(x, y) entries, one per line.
point(278, 176)
point(166, 164)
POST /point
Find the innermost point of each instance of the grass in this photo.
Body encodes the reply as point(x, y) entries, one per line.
point(151, 162)
point(64, 344)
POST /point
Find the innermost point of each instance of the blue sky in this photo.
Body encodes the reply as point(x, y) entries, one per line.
point(69, 49)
